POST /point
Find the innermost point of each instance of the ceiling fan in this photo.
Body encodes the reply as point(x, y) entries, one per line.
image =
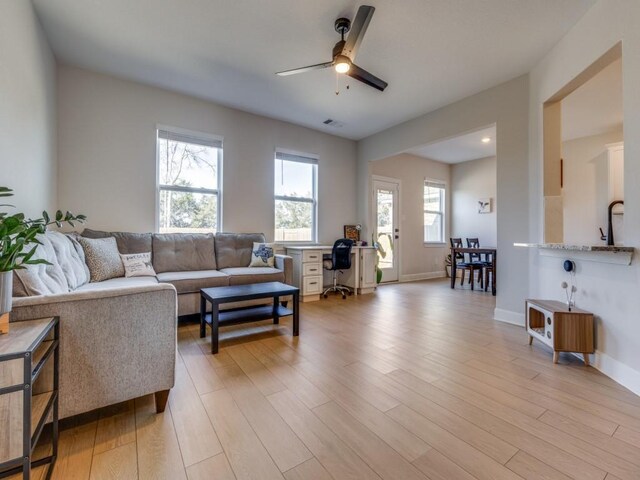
point(345, 51)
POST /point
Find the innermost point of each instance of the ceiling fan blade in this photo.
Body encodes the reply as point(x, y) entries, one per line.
point(358, 29)
point(318, 66)
point(366, 77)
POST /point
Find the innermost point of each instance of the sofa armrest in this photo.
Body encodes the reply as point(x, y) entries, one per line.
point(285, 263)
point(115, 344)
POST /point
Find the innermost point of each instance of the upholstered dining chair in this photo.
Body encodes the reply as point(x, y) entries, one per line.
point(485, 259)
point(465, 263)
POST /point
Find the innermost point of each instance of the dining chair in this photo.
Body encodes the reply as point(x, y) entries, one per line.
point(470, 265)
point(486, 260)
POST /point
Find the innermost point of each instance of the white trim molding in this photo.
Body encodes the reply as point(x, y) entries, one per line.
point(618, 371)
point(612, 368)
point(507, 316)
point(415, 277)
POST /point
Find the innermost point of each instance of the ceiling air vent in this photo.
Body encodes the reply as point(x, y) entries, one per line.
point(333, 123)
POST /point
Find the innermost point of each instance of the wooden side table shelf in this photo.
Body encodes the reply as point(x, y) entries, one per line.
point(563, 330)
point(24, 353)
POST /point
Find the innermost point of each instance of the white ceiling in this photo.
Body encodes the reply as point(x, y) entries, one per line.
point(595, 107)
point(461, 148)
point(432, 52)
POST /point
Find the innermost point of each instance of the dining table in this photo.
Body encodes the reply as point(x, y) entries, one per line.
point(490, 252)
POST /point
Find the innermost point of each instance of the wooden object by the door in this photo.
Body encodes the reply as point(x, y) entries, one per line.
point(563, 330)
point(4, 323)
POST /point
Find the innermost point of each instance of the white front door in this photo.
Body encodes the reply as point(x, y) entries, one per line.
point(386, 231)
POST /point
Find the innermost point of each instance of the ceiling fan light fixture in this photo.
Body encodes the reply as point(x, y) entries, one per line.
point(342, 64)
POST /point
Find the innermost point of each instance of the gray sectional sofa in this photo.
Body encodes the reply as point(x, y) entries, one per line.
point(190, 261)
point(118, 336)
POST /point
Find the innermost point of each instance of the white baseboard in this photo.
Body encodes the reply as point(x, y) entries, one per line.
point(414, 277)
point(621, 373)
point(507, 316)
point(612, 368)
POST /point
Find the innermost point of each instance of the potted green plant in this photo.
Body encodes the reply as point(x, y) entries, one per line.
point(19, 242)
point(447, 265)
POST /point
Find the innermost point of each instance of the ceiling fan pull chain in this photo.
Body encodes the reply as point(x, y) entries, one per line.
point(337, 83)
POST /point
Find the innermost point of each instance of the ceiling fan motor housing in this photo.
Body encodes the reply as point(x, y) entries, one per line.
point(342, 25)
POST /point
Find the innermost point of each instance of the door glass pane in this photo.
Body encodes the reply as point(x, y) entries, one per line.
point(384, 202)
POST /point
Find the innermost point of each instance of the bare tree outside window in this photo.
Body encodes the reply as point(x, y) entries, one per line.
point(295, 198)
point(188, 183)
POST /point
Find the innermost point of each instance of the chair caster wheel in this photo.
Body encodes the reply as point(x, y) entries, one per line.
point(325, 295)
point(350, 293)
point(344, 297)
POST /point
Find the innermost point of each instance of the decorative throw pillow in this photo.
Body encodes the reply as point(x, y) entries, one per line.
point(262, 255)
point(138, 265)
point(102, 257)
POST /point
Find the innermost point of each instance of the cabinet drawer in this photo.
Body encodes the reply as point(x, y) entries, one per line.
point(312, 256)
point(310, 269)
point(312, 285)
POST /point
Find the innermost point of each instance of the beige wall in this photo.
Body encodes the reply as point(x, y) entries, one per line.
point(471, 181)
point(505, 105)
point(610, 291)
point(107, 156)
point(27, 110)
point(417, 260)
point(585, 195)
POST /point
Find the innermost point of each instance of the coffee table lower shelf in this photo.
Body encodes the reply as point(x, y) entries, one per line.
point(249, 314)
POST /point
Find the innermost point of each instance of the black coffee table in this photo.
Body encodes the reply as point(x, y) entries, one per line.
point(216, 296)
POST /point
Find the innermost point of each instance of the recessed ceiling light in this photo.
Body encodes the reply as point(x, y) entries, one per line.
point(486, 139)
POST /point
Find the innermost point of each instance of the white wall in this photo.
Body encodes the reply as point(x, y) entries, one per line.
point(471, 181)
point(610, 291)
point(506, 105)
point(27, 110)
point(585, 195)
point(107, 156)
point(417, 260)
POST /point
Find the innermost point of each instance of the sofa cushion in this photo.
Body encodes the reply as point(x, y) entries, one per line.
point(234, 249)
point(41, 279)
point(262, 255)
point(138, 265)
point(70, 257)
point(102, 257)
point(180, 252)
point(120, 282)
point(127, 242)
point(246, 275)
point(193, 281)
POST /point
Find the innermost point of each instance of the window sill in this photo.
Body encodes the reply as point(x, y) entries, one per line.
point(434, 244)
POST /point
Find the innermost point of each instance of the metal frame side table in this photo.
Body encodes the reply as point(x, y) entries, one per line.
point(34, 342)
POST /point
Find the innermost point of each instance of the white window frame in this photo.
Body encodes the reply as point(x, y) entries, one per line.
point(196, 136)
point(442, 212)
point(300, 157)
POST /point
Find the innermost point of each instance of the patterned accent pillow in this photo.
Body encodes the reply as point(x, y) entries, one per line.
point(102, 257)
point(138, 265)
point(262, 255)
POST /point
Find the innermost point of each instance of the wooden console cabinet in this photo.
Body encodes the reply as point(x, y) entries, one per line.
point(554, 325)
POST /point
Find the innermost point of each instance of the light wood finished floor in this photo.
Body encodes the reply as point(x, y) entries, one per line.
point(414, 382)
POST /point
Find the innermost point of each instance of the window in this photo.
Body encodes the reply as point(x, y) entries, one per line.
point(434, 194)
point(188, 181)
point(295, 197)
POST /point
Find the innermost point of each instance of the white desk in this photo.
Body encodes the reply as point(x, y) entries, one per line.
point(309, 274)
